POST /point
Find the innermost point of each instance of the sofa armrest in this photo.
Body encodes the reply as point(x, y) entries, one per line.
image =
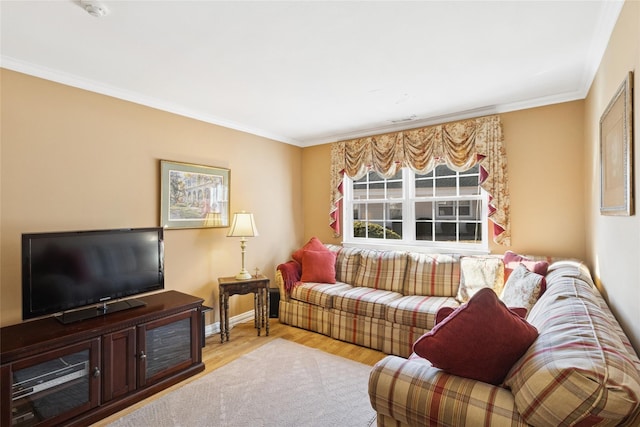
point(413, 392)
point(287, 274)
point(280, 284)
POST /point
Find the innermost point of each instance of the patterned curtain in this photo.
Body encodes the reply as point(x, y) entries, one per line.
point(459, 145)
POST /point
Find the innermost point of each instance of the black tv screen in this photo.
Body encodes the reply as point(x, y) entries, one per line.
point(66, 270)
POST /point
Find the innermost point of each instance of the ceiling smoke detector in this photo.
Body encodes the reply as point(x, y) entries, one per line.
point(94, 8)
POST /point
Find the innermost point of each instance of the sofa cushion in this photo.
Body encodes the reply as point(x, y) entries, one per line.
point(432, 274)
point(477, 273)
point(318, 266)
point(365, 301)
point(347, 263)
point(480, 340)
point(314, 244)
point(578, 371)
point(523, 288)
point(381, 270)
point(418, 310)
point(320, 294)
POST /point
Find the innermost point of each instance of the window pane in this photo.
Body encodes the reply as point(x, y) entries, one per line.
point(424, 220)
point(445, 187)
point(359, 229)
point(395, 211)
point(394, 230)
point(424, 210)
point(471, 190)
point(375, 211)
point(471, 232)
point(376, 192)
point(445, 231)
point(464, 209)
point(359, 192)
point(424, 230)
point(359, 211)
point(446, 210)
point(424, 187)
point(470, 209)
point(473, 170)
point(469, 185)
point(443, 170)
point(394, 192)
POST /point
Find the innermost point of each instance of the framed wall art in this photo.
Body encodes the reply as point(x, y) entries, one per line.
point(193, 196)
point(616, 153)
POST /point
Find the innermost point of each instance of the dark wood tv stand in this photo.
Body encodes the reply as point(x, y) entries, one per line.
point(76, 374)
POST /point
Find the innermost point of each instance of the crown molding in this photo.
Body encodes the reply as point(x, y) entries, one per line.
point(596, 52)
point(467, 114)
point(608, 17)
point(136, 98)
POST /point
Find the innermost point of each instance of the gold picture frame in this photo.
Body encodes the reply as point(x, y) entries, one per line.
point(193, 196)
point(616, 153)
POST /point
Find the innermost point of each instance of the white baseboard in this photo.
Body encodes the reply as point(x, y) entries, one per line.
point(214, 328)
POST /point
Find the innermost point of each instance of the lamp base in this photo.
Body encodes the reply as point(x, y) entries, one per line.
point(243, 275)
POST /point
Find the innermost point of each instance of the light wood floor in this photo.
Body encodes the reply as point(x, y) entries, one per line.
point(244, 339)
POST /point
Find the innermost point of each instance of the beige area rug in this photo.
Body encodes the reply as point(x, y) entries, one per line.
point(279, 384)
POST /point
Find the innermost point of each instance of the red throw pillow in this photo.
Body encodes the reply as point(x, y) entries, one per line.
point(318, 266)
point(314, 244)
point(443, 313)
point(481, 339)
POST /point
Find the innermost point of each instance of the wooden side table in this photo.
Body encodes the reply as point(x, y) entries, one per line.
point(259, 286)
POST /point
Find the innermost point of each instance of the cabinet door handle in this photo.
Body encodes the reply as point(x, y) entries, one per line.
point(142, 355)
point(96, 372)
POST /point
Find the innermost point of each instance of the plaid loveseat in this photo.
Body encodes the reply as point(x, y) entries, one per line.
point(580, 371)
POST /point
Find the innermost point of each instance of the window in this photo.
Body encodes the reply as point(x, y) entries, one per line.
point(443, 209)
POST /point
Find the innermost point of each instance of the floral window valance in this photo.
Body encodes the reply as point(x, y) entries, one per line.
point(460, 145)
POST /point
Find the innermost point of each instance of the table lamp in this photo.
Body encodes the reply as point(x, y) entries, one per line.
point(243, 226)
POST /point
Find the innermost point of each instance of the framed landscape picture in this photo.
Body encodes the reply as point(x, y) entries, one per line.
point(193, 196)
point(616, 153)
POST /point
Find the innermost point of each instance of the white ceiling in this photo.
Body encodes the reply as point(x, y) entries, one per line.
point(310, 72)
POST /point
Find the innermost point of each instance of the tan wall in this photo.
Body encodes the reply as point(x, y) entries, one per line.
point(613, 243)
point(546, 192)
point(76, 160)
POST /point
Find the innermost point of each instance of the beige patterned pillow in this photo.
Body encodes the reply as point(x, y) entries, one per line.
point(522, 288)
point(477, 273)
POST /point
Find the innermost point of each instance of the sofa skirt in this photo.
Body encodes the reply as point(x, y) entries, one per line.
point(361, 330)
point(306, 316)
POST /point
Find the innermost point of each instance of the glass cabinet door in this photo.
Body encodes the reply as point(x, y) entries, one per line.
point(167, 346)
point(56, 385)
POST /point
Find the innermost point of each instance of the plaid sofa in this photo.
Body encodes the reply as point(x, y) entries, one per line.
point(383, 300)
point(581, 371)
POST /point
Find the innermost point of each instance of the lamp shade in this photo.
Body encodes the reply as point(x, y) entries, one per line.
point(243, 225)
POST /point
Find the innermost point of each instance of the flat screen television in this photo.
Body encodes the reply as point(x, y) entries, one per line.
point(97, 270)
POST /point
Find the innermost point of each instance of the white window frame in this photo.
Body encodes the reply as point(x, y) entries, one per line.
point(408, 201)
